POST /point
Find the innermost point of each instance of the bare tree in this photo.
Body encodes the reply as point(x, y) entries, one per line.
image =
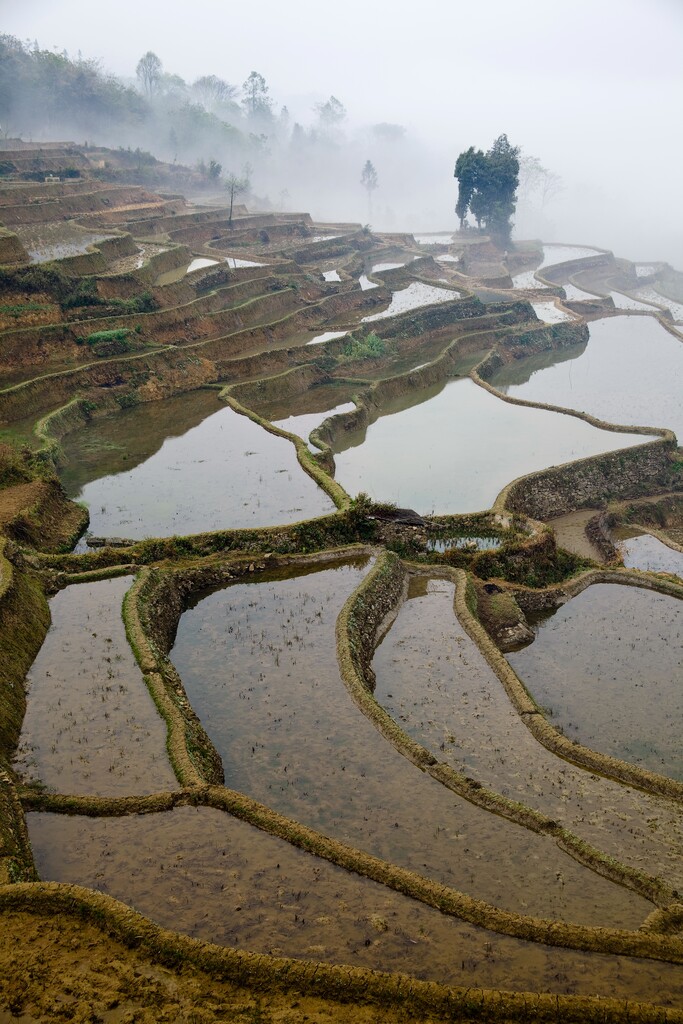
point(235, 185)
point(149, 70)
point(536, 181)
point(213, 91)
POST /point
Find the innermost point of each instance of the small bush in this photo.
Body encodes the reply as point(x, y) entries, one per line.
point(118, 334)
point(368, 346)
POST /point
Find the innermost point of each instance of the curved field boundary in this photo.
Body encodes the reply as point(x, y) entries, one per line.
point(151, 611)
point(358, 626)
point(648, 463)
point(529, 711)
point(343, 983)
point(305, 457)
point(158, 598)
point(649, 942)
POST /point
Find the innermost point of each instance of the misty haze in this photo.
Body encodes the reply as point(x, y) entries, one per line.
point(341, 512)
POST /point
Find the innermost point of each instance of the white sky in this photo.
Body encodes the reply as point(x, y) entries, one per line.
point(594, 88)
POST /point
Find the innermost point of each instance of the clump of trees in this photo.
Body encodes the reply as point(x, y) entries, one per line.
point(487, 187)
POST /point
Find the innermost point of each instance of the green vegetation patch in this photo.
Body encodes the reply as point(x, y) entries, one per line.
point(368, 346)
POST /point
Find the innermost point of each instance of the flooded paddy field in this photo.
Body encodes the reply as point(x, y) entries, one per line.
point(244, 475)
point(552, 254)
point(259, 667)
point(414, 296)
point(260, 657)
point(57, 240)
point(436, 684)
point(90, 724)
point(622, 301)
point(211, 876)
point(630, 372)
point(643, 551)
point(577, 294)
point(456, 446)
point(607, 666)
point(650, 294)
point(549, 313)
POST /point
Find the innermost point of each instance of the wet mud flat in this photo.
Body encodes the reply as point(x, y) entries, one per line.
point(259, 667)
point(91, 725)
point(208, 875)
point(226, 471)
point(435, 683)
point(630, 372)
point(607, 666)
point(570, 533)
point(457, 446)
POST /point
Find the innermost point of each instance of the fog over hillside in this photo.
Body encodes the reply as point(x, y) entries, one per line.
point(590, 90)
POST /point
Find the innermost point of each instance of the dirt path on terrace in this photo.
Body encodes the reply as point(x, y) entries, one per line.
point(57, 969)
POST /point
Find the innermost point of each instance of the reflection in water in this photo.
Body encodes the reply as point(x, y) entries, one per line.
point(259, 666)
point(211, 876)
point(227, 472)
point(608, 666)
point(91, 725)
point(457, 449)
point(303, 423)
point(630, 372)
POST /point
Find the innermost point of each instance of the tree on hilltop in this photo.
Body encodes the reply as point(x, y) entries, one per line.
point(149, 70)
point(487, 187)
point(257, 103)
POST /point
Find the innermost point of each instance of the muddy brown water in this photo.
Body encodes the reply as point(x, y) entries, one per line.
point(457, 446)
point(434, 681)
point(201, 872)
point(259, 666)
point(608, 667)
point(630, 372)
point(91, 725)
point(641, 550)
point(224, 472)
